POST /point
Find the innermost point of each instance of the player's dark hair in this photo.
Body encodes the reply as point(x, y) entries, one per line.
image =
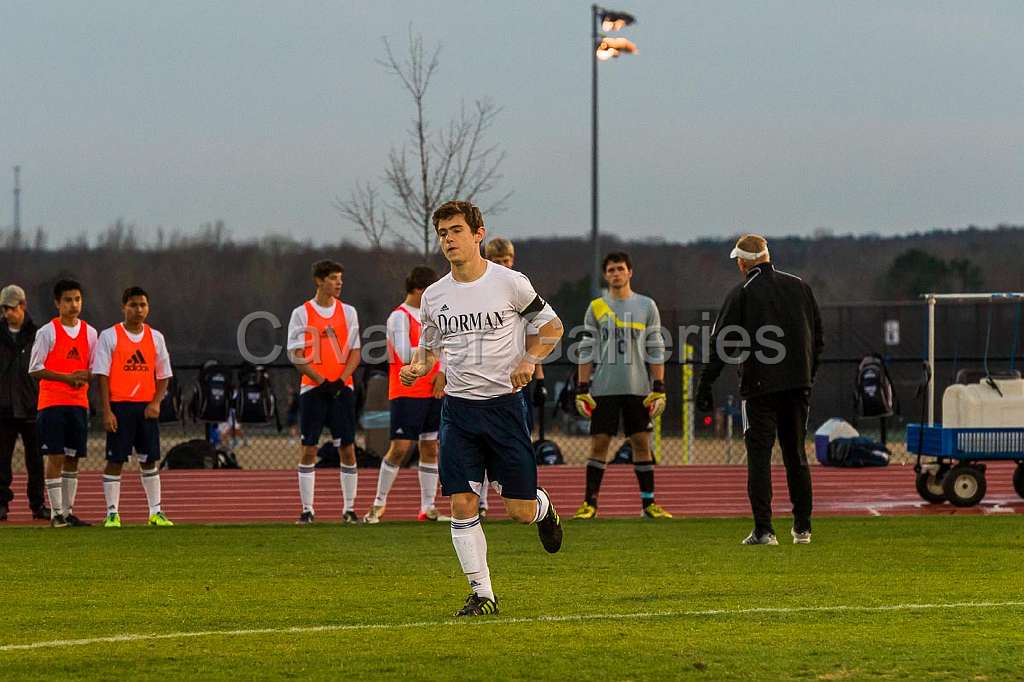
point(322, 269)
point(132, 292)
point(450, 209)
point(616, 257)
point(421, 277)
point(66, 285)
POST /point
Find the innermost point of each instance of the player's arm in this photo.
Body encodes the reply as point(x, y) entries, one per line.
point(153, 407)
point(538, 347)
point(423, 359)
point(538, 313)
point(351, 363)
point(426, 354)
point(100, 364)
point(585, 402)
point(163, 376)
point(654, 347)
point(298, 332)
point(355, 355)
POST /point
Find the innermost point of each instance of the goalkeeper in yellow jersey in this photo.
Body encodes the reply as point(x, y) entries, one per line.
point(621, 378)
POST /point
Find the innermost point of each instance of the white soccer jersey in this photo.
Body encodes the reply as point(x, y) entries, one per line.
point(479, 328)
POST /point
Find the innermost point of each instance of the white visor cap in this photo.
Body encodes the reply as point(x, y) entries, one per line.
point(747, 255)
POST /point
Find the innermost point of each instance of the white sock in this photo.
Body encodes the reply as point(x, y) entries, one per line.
point(543, 504)
point(307, 482)
point(428, 485)
point(55, 491)
point(151, 484)
point(484, 489)
point(70, 482)
point(471, 547)
point(349, 483)
point(112, 492)
point(385, 479)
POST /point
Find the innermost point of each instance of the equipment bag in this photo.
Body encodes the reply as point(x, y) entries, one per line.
point(192, 454)
point(874, 395)
point(211, 400)
point(256, 403)
point(857, 452)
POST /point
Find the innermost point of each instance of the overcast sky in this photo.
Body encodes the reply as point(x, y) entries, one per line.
point(776, 116)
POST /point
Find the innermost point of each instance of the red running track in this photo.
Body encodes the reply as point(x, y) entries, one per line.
point(686, 491)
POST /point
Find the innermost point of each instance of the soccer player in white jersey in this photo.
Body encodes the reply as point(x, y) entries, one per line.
point(476, 317)
point(323, 344)
point(415, 410)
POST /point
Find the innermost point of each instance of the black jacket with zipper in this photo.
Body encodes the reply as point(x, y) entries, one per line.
point(20, 391)
point(779, 315)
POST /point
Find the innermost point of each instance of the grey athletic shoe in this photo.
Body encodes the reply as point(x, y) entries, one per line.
point(801, 538)
point(763, 539)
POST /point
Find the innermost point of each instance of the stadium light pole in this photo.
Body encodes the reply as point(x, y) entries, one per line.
point(603, 48)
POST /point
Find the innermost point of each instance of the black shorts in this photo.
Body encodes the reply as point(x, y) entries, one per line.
point(63, 430)
point(605, 419)
point(415, 418)
point(487, 435)
point(318, 410)
point(134, 433)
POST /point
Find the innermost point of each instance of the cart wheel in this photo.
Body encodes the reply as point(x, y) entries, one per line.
point(929, 486)
point(964, 485)
point(1018, 479)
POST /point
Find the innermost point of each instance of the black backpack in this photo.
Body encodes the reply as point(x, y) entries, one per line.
point(192, 454)
point(256, 403)
point(211, 400)
point(874, 395)
point(567, 397)
point(170, 406)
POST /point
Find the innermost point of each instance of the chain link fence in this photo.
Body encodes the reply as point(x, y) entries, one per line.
point(682, 436)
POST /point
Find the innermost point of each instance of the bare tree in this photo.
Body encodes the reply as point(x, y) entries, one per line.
point(455, 162)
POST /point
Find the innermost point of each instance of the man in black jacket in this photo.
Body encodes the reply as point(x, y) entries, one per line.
point(18, 397)
point(770, 327)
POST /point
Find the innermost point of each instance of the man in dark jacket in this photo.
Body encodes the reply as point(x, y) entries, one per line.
point(18, 397)
point(770, 327)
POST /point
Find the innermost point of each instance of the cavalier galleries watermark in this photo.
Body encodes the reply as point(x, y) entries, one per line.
point(262, 340)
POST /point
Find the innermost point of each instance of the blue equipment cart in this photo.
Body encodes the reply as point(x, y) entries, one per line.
point(956, 474)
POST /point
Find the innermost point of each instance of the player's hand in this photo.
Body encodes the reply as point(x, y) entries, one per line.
point(110, 421)
point(77, 379)
point(440, 381)
point(522, 374)
point(705, 399)
point(585, 402)
point(152, 410)
point(655, 400)
point(540, 393)
point(411, 372)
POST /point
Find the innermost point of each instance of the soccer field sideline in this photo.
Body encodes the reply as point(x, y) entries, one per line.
point(483, 622)
point(686, 491)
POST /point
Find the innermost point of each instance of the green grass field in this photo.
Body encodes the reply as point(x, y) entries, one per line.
point(877, 598)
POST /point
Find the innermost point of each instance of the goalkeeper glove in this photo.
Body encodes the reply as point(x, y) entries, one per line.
point(585, 402)
point(655, 400)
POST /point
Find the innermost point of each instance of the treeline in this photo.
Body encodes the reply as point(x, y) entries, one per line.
point(203, 284)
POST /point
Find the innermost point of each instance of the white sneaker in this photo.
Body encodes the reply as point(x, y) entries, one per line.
point(374, 515)
point(766, 539)
point(802, 538)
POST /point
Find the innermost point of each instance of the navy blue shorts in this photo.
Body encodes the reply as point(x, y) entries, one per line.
point(491, 435)
point(412, 418)
point(134, 432)
point(63, 430)
point(527, 393)
point(318, 411)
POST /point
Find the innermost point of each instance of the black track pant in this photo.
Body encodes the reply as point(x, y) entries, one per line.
point(10, 429)
point(783, 414)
